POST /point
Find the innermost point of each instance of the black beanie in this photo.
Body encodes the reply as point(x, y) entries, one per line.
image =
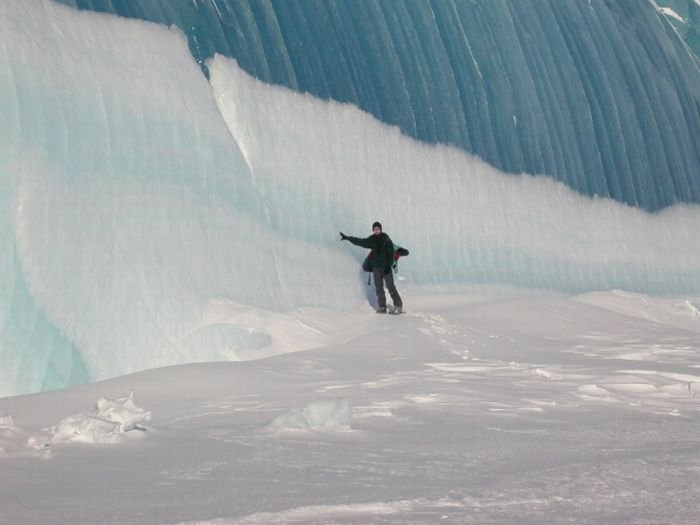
point(377, 224)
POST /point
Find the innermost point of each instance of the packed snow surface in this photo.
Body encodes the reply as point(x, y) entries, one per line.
point(485, 406)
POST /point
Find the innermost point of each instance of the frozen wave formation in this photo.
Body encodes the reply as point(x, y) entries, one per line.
point(136, 195)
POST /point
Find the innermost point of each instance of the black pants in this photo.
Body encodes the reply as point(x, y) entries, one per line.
point(379, 279)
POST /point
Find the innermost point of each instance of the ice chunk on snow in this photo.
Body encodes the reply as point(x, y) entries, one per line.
point(122, 411)
point(333, 414)
point(112, 419)
point(86, 428)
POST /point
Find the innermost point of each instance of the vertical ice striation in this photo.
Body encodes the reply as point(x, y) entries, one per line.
point(602, 95)
point(320, 162)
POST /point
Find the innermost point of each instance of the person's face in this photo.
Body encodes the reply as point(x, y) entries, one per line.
point(377, 231)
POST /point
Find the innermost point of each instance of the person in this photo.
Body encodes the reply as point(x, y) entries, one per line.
point(381, 259)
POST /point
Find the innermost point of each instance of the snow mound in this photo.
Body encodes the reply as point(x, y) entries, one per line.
point(330, 415)
point(108, 424)
point(673, 311)
point(7, 434)
point(320, 514)
point(15, 443)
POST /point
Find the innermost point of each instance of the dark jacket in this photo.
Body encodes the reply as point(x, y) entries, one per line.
point(382, 255)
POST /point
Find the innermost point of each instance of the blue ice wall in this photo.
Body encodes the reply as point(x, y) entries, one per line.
point(600, 94)
point(149, 217)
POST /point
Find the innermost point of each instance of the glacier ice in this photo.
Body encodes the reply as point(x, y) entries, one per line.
point(126, 205)
point(135, 194)
point(326, 162)
point(603, 95)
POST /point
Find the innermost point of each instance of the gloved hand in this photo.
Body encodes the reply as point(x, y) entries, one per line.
point(343, 237)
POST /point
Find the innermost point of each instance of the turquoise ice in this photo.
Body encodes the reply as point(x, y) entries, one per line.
point(601, 95)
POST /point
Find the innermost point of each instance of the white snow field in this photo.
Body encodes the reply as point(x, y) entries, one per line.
point(486, 407)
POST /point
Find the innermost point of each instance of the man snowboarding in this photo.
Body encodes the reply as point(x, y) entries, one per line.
point(381, 259)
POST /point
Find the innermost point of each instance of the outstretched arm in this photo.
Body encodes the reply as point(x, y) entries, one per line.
point(357, 241)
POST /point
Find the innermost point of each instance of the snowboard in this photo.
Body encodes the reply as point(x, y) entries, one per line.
point(391, 311)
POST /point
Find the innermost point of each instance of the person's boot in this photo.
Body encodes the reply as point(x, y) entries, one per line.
point(381, 310)
point(398, 309)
